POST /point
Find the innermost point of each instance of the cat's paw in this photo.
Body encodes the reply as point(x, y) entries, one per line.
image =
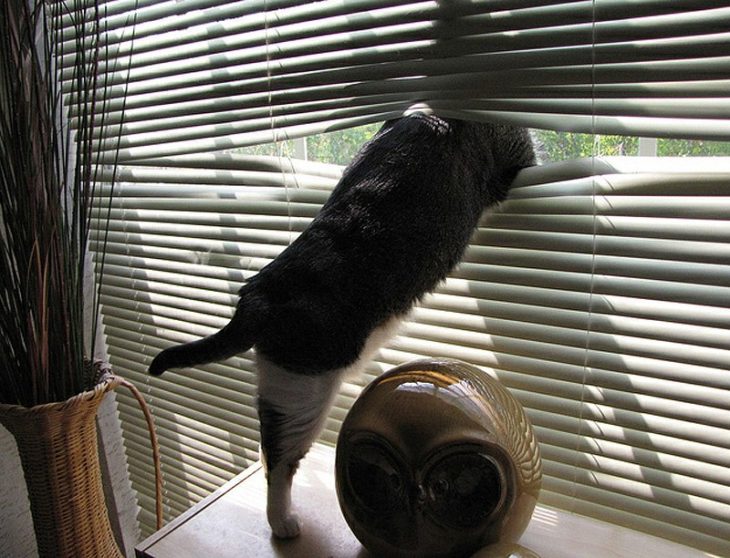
point(286, 527)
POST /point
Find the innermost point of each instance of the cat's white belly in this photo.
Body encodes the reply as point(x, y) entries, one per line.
point(293, 408)
point(308, 394)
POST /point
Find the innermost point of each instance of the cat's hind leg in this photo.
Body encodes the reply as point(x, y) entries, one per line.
point(292, 410)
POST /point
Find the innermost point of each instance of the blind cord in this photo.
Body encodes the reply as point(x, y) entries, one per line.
point(591, 287)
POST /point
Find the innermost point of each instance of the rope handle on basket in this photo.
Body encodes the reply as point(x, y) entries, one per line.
point(112, 380)
point(155, 447)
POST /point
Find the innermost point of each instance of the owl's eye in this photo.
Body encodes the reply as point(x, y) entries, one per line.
point(375, 478)
point(463, 489)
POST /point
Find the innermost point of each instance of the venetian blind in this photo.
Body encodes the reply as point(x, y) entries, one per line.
point(206, 75)
point(596, 293)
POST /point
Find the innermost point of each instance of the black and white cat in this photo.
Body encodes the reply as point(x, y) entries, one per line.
point(398, 221)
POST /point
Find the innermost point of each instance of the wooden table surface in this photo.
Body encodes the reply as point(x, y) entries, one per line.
point(231, 522)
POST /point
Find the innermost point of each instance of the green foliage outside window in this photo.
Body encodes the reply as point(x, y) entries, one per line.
point(693, 148)
point(339, 147)
point(557, 146)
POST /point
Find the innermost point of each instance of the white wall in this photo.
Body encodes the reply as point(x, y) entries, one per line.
point(17, 539)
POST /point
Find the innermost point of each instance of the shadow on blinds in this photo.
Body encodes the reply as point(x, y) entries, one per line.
point(605, 315)
point(184, 234)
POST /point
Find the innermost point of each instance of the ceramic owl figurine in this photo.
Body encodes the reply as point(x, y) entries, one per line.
point(436, 459)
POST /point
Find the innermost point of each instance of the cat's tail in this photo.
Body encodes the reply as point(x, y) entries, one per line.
point(234, 338)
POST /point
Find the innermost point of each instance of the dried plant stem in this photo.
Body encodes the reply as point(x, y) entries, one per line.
point(48, 175)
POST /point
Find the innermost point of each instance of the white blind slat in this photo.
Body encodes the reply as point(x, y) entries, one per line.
point(255, 71)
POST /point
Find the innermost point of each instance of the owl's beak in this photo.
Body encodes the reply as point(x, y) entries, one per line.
point(421, 495)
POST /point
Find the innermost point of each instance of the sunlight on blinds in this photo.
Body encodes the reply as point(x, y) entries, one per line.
point(631, 431)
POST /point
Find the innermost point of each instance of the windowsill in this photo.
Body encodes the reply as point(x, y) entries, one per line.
point(232, 522)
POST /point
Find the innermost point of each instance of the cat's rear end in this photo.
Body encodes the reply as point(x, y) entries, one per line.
point(395, 225)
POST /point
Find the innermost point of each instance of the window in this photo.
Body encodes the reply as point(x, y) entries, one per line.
point(597, 293)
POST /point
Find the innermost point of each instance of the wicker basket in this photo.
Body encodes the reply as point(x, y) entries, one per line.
point(58, 450)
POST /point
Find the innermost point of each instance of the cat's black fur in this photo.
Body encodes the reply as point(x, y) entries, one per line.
point(398, 221)
point(395, 225)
